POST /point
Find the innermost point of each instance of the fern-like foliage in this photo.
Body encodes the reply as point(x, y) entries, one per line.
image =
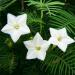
point(46, 5)
point(5, 3)
point(60, 63)
point(7, 58)
point(34, 22)
point(63, 19)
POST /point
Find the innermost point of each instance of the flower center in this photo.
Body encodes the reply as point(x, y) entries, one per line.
point(16, 25)
point(38, 48)
point(59, 38)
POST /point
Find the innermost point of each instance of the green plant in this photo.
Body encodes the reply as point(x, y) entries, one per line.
point(42, 14)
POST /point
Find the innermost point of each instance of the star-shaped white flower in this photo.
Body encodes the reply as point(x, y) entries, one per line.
point(16, 26)
point(36, 48)
point(60, 38)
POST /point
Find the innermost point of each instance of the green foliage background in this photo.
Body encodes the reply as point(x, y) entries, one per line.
point(42, 14)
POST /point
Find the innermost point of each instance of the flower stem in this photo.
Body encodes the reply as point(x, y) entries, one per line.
point(53, 47)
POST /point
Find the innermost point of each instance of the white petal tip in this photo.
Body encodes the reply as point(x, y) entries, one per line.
point(25, 15)
point(2, 30)
point(42, 59)
point(37, 33)
point(25, 42)
point(29, 58)
point(9, 15)
point(29, 31)
point(14, 41)
point(64, 50)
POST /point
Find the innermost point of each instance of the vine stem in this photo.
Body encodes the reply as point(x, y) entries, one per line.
point(41, 18)
point(65, 0)
point(22, 5)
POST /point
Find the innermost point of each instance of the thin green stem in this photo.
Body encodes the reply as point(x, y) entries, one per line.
point(53, 47)
point(40, 1)
point(43, 0)
point(65, 0)
point(49, 12)
point(5, 6)
point(41, 18)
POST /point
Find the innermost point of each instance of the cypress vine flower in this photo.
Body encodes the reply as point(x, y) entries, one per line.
point(60, 38)
point(37, 47)
point(16, 26)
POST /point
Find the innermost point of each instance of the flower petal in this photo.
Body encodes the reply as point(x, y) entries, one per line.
point(45, 46)
point(7, 29)
point(15, 36)
point(63, 32)
point(29, 45)
point(11, 19)
point(38, 40)
point(53, 40)
point(53, 32)
point(62, 46)
point(21, 19)
point(25, 30)
point(69, 40)
point(31, 55)
point(41, 55)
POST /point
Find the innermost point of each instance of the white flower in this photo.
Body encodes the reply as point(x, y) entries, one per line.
point(37, 47)
point(60, 38)
point(16, 26)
